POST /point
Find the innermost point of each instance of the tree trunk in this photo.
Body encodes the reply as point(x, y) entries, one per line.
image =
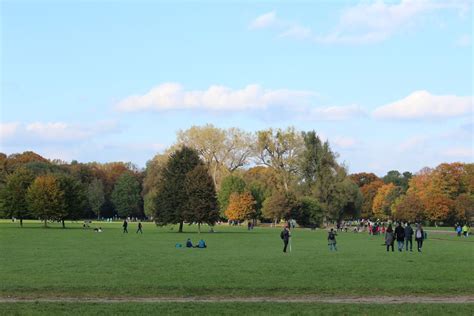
point(180, 227)
point(45, 223)
point(64, 226)
point(21, 221)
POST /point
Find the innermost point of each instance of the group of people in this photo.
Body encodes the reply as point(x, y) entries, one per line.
point(404, 236)
point(464, 230)
point(201, 244)
point(125, 227)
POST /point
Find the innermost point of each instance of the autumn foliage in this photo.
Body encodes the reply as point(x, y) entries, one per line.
point(241, 206)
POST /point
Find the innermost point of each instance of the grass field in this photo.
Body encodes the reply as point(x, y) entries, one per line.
point(73, 262)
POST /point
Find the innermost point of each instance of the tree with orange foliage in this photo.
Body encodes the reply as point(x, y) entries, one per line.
point(408, 207)
point(241, 206)
point(368, 193)
point(383, 200)
point(363, 178)
point(464, 207)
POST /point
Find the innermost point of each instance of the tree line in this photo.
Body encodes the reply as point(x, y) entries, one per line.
point(213, 174)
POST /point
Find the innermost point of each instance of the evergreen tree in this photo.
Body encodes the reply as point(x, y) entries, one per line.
point(172, 198)
point(126, 195)
point(201, 196)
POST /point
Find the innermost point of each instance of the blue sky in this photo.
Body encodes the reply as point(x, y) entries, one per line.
point(389, 84)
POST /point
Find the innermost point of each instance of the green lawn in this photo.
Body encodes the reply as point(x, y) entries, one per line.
point(232, 309)
point(74, 262)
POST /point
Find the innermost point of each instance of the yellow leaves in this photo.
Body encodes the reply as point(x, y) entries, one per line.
point(241, 206)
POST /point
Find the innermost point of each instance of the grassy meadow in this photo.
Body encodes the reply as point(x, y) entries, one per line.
point(38, 262)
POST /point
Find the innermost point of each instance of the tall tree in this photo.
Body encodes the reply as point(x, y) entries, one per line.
point(126, 195)
point(75, 199)
point(383, 200)
point(279, 205)
point(96, 196)
point(13, 194)
point(46, 199)
point(230, 184)
point(201, 197)
point(172, 199)
point(369, 191)
point(363, 178)
point(241, 206)
point(280, 150)
point(308, 212)
point(408, 207)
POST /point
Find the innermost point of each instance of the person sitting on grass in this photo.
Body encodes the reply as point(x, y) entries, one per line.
point(189, 244)
point(201, 244)
point(98, 230)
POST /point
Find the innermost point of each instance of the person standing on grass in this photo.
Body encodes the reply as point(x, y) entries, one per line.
point(459, 230)
point(332, 240)
point(389, 237)
point(140, 228)
point(400, 235)
point(408, 237)
point(464, 230)
point(419, 236)
point(285, 235)
point(125, 225)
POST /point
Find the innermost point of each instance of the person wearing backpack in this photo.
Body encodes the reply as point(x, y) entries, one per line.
point(400, 235)
point(389, 237)
point(408, 237)
point(419, 236)
point(332, 240)
point(285, 236)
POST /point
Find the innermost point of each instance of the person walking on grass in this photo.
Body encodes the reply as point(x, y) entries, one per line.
point(464, 230)
point(459, 230)
point(285, 236)
point(332, 240)
point(419, 236)
point(125, 225)
point(389, 237)
point(140, 228)
point(408, 237)
point(400, 235)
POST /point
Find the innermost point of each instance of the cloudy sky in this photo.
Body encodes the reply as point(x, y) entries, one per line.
point(390, 84)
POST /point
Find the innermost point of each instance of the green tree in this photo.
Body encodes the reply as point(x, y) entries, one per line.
point(201, 204)
point(279, 205)
point(308, 212)
point(46, 199)
point(126, 195)
point(75, 199)
point(230, 184)
point(96, 196)
point(13, 194)
point(172, 199)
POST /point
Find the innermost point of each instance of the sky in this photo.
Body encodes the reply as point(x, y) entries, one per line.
point(388, 83)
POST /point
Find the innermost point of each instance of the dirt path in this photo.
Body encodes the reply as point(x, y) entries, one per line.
point(216, 299)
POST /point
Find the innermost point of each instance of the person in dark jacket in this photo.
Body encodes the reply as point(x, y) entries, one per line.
point(139, 228)
point(285, 235)
point(400, 235)
point(332, 240)
point(419, 236)
point(189, 243)
point(125, 225)
point(389, 237)
point(408, 237)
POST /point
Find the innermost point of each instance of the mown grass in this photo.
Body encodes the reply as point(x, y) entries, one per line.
point(75, 262)
point(266, 308)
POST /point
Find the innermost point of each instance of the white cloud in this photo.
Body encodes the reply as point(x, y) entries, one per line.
point(414, 142)
point(172, 96)
point(54, 132)
point(366, 22)
point(459, 152)
point(263, 21)
point(8, 129)
point(344, 142)
point(334, 113)
point(464, 40)
point(422, 105)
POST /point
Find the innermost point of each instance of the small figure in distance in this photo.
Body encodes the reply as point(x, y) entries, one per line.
point(408, 237)
point(465, 230)
point(125, 224)
point(189, 244)
point(459, 230)
point(140, 228)
point(285, 236)
point(419, 236)
point(389, 237)
point(201, 244)
point(98, 230)
point(400, 235)
point(332, 240)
